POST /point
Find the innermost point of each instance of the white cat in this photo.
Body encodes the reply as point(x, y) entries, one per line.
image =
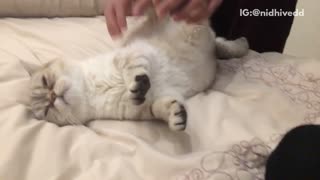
point(159, 65)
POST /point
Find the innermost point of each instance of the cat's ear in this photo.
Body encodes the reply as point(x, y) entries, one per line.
point(32, 67)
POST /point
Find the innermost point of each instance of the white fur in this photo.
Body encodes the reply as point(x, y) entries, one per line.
point(178, 59)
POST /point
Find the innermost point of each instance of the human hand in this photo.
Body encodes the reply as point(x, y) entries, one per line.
point(188, 10)
point(116, 12)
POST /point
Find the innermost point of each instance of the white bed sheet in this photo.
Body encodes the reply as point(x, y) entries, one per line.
point(231, 128)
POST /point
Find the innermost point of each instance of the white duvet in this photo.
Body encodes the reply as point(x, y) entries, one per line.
point(231, 128)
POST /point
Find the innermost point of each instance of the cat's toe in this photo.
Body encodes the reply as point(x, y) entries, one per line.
point(140, 88)
point(178, 117)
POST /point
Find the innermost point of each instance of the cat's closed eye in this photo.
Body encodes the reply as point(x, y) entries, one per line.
point(44, 81)
point(46, 110)
point(47, 82)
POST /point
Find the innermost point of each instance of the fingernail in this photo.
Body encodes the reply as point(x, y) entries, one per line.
point(115, 36)
point(158, 13)
point(136, 12)
point(123, 29)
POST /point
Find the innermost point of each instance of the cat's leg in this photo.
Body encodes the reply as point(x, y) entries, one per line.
point(172, 110)
point(226, 49)
point(135, 72)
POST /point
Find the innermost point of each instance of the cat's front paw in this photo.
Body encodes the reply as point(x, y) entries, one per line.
point(177, 117)
point(140, 88)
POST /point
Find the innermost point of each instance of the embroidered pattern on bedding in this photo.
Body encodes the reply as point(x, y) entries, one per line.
point(246, 160)
point(299, 87)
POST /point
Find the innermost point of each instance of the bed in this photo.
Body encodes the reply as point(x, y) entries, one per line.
point(231, 129)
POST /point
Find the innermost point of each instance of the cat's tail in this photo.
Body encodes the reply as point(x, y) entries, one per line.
point(226, 49)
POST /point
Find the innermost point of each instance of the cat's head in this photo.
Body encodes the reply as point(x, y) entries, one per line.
point(58, 94)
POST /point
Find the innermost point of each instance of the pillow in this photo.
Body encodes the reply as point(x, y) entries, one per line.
point(50, 8)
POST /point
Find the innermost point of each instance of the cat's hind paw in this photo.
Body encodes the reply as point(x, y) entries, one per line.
point(140, 88)
point(177, 117)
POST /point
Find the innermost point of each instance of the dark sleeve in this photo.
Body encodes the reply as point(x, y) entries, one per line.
point(264, 33)
point(297, 157)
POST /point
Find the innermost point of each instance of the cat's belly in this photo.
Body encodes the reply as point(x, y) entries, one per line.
point(186, 79)
point(201, 77)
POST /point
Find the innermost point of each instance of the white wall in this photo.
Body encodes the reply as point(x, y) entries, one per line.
point(304, 39)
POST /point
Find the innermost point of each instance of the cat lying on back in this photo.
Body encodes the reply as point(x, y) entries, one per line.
point(159, 65)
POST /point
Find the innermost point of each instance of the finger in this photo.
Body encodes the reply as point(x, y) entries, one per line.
point(213, 6)
point(198, 14)
point(121, 11)
point(111, 20)
point(166, 6)
point(156, 2)
point(140, 6)
point(180, 7)
point(197, 19)
point(184, 13)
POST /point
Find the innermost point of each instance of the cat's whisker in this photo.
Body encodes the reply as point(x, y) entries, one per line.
point(55, 115)
point(72, 120)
